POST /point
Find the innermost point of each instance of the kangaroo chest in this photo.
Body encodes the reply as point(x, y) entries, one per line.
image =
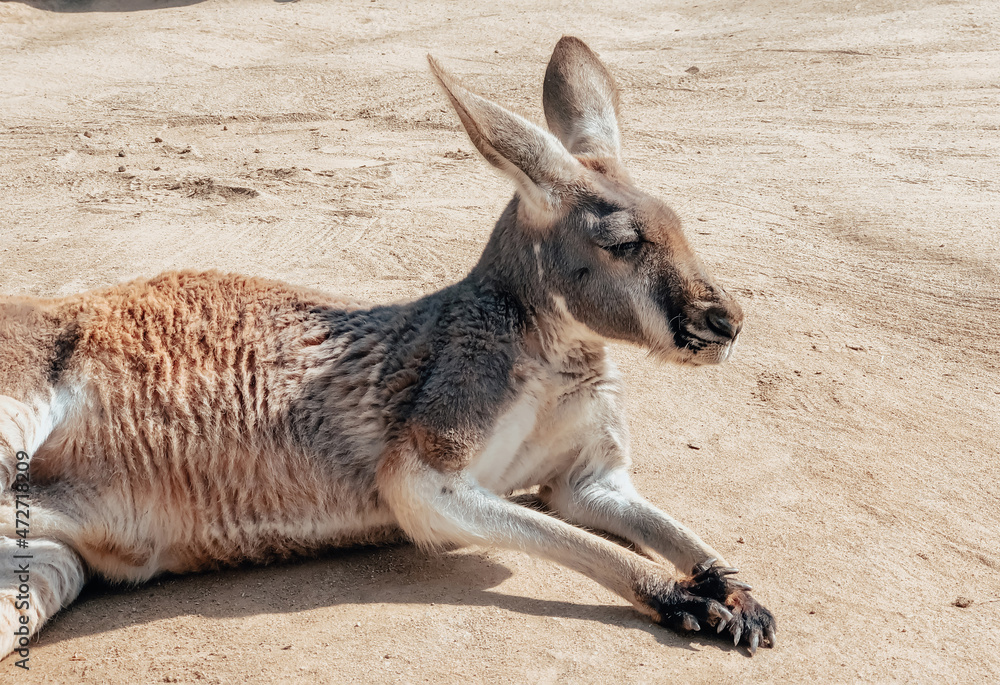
point(541, 434)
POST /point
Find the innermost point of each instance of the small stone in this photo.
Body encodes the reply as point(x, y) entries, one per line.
point(257, 151)
point(962, 602)
point(87, 134)
point(121, 168)
point(694, 446)
point(157, 140)
point(741, 541)
point(121, 153)
point(156, 168)
point(692, 70)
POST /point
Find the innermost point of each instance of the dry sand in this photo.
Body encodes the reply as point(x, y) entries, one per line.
point(835, 164)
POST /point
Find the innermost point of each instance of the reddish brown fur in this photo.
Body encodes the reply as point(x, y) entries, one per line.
point(448, 452)
point(212, 361)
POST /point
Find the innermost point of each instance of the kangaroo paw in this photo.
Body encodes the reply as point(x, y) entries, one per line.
point(751, 622)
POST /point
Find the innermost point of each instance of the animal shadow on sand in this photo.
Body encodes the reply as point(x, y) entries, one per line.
point(71, 6)
point(391, 574)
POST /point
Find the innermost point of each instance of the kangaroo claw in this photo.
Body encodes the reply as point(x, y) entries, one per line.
point(690, 623)
point(703, 566)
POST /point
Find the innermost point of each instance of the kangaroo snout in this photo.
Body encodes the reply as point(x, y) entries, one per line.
point(725, 321)
point(706, 331)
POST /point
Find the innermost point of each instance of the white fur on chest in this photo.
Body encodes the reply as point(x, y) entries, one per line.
point(540, 435)
point(557, 413)
point(504, 460)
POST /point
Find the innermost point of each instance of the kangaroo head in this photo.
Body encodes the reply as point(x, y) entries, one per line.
point(579, 240)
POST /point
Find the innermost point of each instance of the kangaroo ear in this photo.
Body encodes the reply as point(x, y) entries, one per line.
point(581, 100)
point(530, 155)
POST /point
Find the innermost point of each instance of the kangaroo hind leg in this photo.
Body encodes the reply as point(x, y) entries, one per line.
point(22, 431)
point(40, 573)
point(37, 579)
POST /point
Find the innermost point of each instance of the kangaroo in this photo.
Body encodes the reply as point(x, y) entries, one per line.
point(197, 420)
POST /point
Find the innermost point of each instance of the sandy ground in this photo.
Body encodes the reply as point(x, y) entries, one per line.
point(835, 163)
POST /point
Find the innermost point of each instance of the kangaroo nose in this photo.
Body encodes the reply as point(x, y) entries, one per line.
point(719, 323)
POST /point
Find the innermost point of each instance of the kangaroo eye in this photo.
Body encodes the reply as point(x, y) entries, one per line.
point(622, 250)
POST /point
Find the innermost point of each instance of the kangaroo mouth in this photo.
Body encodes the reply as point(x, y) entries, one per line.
point(686, 339)
point(715, 353)
point(691, 349)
